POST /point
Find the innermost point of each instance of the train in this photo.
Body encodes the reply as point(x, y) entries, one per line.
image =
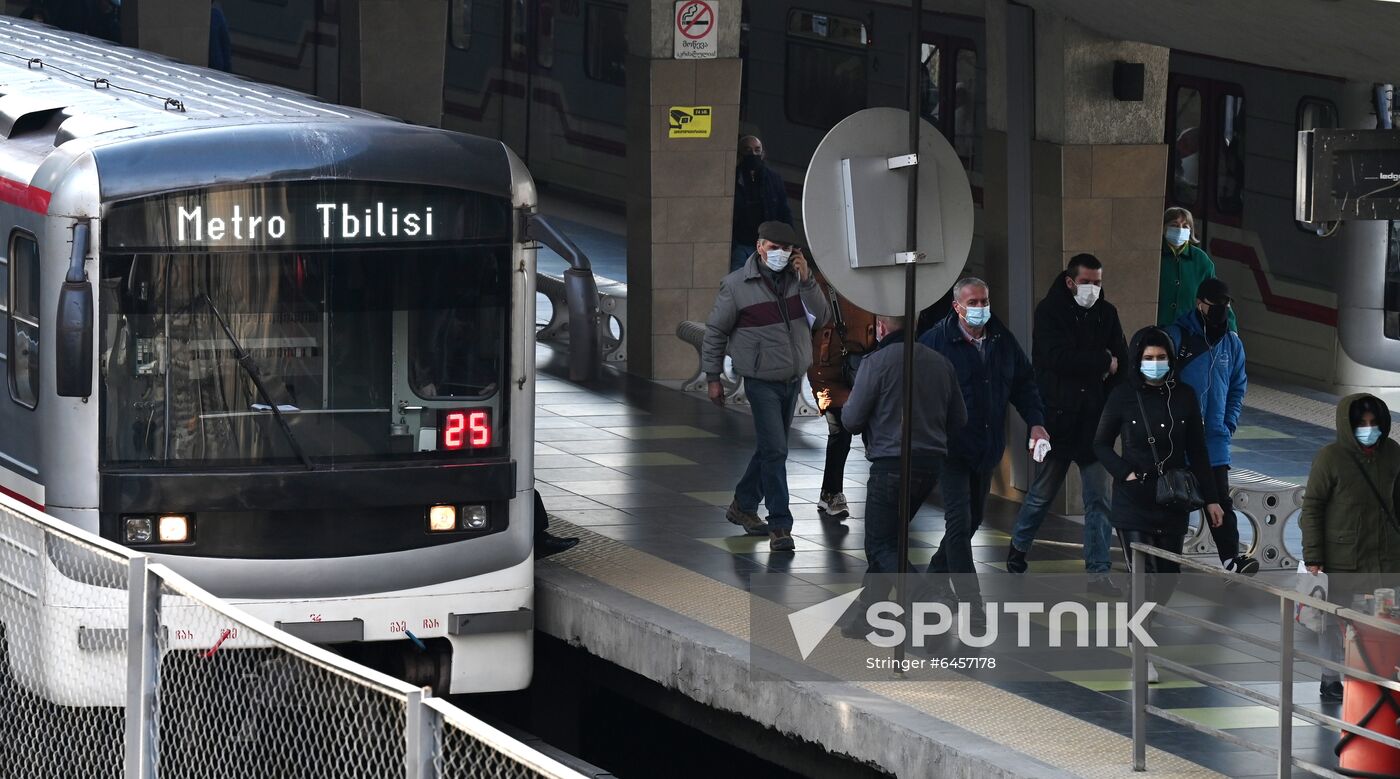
point(548, 77)
point(284, 347)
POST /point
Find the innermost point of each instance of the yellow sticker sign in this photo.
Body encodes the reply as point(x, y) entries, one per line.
point(689, 121)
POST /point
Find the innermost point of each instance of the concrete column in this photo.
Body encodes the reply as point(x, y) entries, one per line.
point(175, 28)
point(392, 57)
point(1098, 173)
point(680, 197)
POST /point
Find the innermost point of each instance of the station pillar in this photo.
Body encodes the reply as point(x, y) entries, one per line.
point(392, 57)
point(1071, 168)
point(175, 28)
point(681, 185)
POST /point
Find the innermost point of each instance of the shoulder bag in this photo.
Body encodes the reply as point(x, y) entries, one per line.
point(1177, 488)
point(1385, 509)
point(850, 361)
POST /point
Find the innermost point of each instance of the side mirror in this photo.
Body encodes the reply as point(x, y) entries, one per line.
point(73, 342)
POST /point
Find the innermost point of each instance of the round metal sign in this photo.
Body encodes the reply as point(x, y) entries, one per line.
point(945, 210)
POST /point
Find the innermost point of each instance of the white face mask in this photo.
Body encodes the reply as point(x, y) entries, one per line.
point(1086, 295)
point(1176, 236)
point(777, 259)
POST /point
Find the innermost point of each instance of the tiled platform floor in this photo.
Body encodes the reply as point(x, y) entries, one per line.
point(653, 468)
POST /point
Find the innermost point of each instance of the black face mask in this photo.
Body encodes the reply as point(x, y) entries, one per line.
point(1217, 314)
point(750, 163)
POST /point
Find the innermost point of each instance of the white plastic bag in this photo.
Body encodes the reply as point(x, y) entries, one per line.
point(1314, 586)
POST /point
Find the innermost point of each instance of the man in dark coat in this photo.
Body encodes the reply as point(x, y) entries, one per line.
point(1076, 350)
point(759, 196)
point(992, 373)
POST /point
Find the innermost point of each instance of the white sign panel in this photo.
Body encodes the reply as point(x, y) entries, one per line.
point(697, 30)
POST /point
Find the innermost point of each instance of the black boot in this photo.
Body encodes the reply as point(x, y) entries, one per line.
point(1015, 559)
point(1331, 691)
point(547, 544)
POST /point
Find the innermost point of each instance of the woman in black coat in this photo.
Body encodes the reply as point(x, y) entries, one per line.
point(1180, 442)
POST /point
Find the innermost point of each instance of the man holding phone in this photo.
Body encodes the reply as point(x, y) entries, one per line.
point(763, 319)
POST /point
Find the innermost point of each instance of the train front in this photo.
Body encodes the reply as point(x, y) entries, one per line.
point(310, 404)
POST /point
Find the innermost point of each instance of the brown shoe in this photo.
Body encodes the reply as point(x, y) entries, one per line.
point(780, 541)
point(747, 520)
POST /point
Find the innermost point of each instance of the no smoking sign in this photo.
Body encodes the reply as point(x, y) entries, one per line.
point(697, 30)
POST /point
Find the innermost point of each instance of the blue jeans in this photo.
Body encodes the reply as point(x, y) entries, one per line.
point(965, 491)
point(1098, 534)
point(772, 403)
point(882, 517)
point(739, 254)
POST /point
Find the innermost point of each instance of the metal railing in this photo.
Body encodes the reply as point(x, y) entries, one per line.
point(1288, 653)
point(116, 666)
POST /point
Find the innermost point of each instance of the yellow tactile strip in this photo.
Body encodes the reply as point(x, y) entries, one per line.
point(1286, 404)
point(1037, 731)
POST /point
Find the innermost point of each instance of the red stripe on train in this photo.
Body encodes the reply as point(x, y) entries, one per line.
point(30, 198)
point(22, 499)
point(1302, 309)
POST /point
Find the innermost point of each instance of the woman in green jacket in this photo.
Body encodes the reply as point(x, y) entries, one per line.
point(1349, 524)
point(1184, 266)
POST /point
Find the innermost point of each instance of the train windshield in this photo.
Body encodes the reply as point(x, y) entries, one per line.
point(310, 358)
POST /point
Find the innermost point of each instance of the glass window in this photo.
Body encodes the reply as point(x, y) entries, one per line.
point(24, 320)
point(826, 75)
point(519, 40)
point(930, 82)
point(966, 136)
point(329, 334)
point(1186, 147)
point(459, 25)
point(605, 42)
point(4, 300)
point(1392, 282)
point(1229, 159)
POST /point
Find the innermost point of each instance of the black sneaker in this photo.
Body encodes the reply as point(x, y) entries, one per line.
point(1331, 692)
point(750, 522)
point(1244, 564)
point(1015, 559)
point(977, 614)
point(1102, 585)
point(855, 626)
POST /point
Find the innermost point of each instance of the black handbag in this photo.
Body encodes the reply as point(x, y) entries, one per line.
point(1177, 488)
point(850, 361)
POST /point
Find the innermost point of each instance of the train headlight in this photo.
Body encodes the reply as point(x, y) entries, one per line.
point(138, 530)
point(442, 519)
point(474, 518)
point(174, 529)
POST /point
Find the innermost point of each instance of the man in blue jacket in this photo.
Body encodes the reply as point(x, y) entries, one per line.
point(759, 196)
point(1210, 358)
point(992, 372)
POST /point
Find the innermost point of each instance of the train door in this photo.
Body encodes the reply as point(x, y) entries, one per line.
point(1206, 151)
point(528, 57)
point(948, 88)
point(20, 357)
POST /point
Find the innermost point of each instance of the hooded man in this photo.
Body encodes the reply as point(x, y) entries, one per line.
point(759, 196)
point(1077, 350)
point(1211, 359)
point(1349, 519)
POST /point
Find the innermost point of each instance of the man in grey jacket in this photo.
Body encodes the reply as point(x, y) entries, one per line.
point(875, 407)
point(760, 319)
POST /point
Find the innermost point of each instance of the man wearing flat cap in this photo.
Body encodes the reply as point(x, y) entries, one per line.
point(761, 320)
point(1210, 358)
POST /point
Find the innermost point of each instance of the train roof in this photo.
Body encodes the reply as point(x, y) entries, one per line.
point(155, 124)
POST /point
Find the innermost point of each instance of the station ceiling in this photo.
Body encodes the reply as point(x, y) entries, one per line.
point(1354, 39)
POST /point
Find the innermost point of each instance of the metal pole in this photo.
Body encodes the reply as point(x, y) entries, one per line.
point(910, 271)
point(142, 670)
point(421, 728)
point(1285, 690)
point(1138, 597)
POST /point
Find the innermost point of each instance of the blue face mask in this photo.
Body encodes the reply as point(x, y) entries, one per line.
point(1154, 369)
point(1176, 236)
point(978, 315)
point(1368, 436)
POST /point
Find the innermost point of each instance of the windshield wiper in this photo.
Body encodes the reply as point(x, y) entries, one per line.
point(251, 368)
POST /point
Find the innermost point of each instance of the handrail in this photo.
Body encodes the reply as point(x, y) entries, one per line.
point(581, 292)
point(1283, 703)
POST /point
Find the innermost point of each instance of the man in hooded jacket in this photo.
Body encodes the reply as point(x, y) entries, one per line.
point(1349, 523)
point(1211, 359)
point(1076, 349)
point(759, 196)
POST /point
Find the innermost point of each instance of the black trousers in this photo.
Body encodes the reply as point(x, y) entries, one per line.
point(541, 516)
point(838, 448)
point(1162, 575)
point(1227, 536)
